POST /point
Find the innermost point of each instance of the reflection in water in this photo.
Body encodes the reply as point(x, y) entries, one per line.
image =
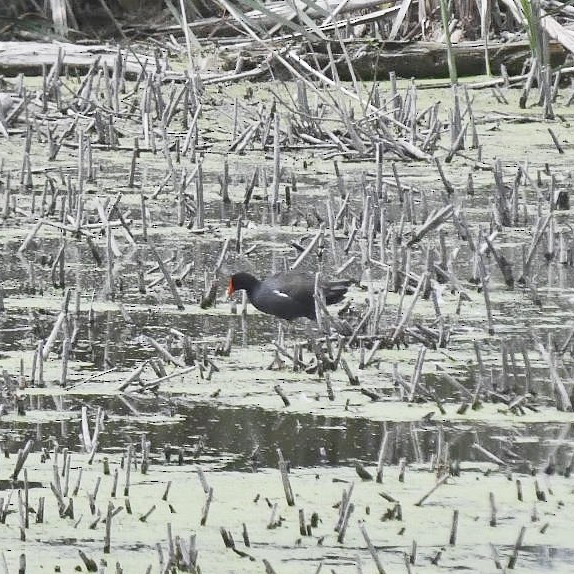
point(243, 439)
point(112, 341)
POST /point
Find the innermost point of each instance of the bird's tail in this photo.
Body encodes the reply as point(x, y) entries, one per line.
point(335, 290)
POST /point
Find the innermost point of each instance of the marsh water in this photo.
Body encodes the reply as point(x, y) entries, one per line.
point(234, 422)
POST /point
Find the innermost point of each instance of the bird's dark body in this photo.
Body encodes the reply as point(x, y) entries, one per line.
point(288, 295)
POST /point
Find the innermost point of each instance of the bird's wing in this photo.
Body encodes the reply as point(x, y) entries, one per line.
point(298, 286)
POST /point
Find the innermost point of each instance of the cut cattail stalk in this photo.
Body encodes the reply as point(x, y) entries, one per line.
point(371, 548)
point(536, 238)
point(89, 563)
point(318, 236)
point(453, 529)
point(65, 356)
point(447, 185)
point(417, 373)
point(40, 510)
point(492, 509)
point(22, 456)
point(53, 334)
point(519, 490)
point(276, 161)
point(108, 534)
point(495, 556)
point(439, 482)
point(302, 525)
point(563, 402)
point(164, 352)
point(413, 554)
point(203, 480)
point(558, 146)
point(488, 454)
point(405, 316)
point(133, 377)
point(21, 513)
point(345, 501)
point(540, 494)
point(433, 221)
point(402, 468)
point(353, 379)
point(200, 212)
point(167, 275)
point(486, 293)
point(206, 505)
point(222, 255)
point(224, 181)
point(281, 393)
point(128, 471)
point(157, 382)
point(381, 458)
point(450, 379)
point(115, 483)
point(144, 517)
point(245, 535)
point(345, 521)
point(517, 545)
point(283, 469)
point(210, 297)
point(166, 492)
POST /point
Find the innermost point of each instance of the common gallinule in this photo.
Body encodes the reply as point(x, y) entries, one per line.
point(287, 295)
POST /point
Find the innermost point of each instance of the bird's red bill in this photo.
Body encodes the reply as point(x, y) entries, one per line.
point(230, 288)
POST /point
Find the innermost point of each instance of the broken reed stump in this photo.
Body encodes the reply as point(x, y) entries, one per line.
point(283, 469)
point(371, 548)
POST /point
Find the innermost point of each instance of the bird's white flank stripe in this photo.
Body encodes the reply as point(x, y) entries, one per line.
point(280, 293)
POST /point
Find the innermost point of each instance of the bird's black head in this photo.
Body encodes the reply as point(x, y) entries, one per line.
point(241, 280)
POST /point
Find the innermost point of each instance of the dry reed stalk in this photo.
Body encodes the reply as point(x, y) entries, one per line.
point(21, 515)
point(417, 373)
point(146, 515)
point(167, 275)
point(563, 402)
point(450, 379)
point(381, 456)
point(447, 185)
point(60, 319)
point(89, 563)
point(281, 393)
point(345, 521)
point(203, 480)
point(108, 531)
point(371, 548)
point(276, 161)
point(488, 454)
point(517, 546)
point(413, 554)
point(406, 316)
point(492, 503)
point(164, 378)
point(283, 469)
point(438, 483)
point(164, 352)
point(128, 470)
point(519, 495)
point(133, 377)
point(486, 293)
point(206, 506)
point(314, 241)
